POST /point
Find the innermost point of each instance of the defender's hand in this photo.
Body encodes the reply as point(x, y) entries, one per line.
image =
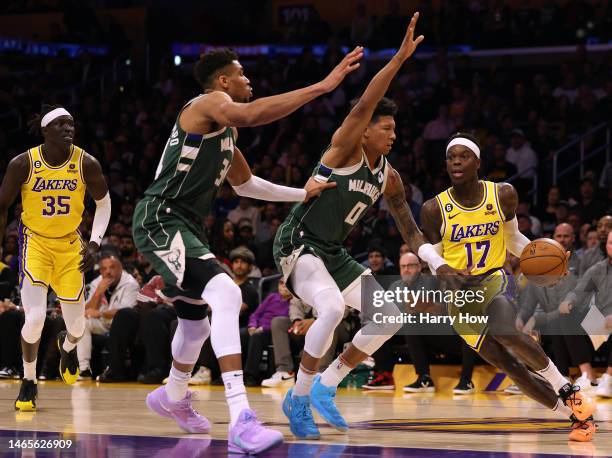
point(346, 66)
point(89, 256)
point(454, 277)
point(313, 188)
point(409, 44)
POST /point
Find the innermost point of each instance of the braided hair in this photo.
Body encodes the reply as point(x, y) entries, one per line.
point(34, 123)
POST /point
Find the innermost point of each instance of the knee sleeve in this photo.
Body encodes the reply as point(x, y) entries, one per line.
point(329, 305)
point(188, 339)
point(74, 318)
point(224, 298)
point(34, 302)
point(369, 343)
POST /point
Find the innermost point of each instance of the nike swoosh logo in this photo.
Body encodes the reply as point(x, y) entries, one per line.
point(37, 171)
point(286, 378)
point(452, 216)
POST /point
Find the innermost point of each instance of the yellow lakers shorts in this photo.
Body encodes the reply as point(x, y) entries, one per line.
point(52, 262)
point(470, 316)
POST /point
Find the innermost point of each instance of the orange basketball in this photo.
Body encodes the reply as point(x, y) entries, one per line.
point(543, 261)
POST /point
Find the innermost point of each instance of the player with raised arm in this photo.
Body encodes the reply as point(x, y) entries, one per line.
point(308, 245)
point(473, 223)
point(52, 179)
point(167, 225)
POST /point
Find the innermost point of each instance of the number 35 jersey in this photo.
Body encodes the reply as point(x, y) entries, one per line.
point(53, 196)
point(473, 236)
point(331, 216)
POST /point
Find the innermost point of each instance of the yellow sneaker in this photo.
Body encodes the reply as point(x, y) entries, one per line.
point(69, 362)
point(26, 401)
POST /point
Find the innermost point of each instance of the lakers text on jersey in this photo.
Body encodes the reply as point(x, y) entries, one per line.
point(49, 243)
point(167, 223)
point(475, 237)
point(321, 225)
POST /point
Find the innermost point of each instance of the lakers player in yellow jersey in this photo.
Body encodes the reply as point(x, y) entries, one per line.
point(473, 223)
point(52, 179)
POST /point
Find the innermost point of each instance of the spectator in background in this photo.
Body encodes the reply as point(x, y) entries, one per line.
point(361, 25)
point(588, 239)
point(11, 322)
point(259, 330)
point(111, 291)
point(225, 202)
point(441, 128)
point(224, 240)
point(548, 214)
point(242, 260)
point(245, 210)
point(590, 206)
point(500, 169)
point(524, 159)
point(377, 260)
point(598, 253)
point(597, 283)
point(525, 209)
point(524, 225)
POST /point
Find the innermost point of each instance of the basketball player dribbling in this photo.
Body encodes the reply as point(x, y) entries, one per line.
point(308, 246)
point(472, 224)
point(198, 156)
point(52, 179)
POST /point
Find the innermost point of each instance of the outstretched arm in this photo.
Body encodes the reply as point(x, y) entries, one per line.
point(395, 195)
point(16, 174)
point(219, 108)
point(349, 134)
point(248, 185)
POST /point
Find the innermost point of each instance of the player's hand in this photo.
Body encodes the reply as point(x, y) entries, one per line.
point(89, 254)
point(104, 284)
point(409, 44)
point(92, 313)
point(454, 278)
point(519, 324)
point(252, 331)
point(565, 307)
point(528, 328)
point(346, 66)
point(313, 188)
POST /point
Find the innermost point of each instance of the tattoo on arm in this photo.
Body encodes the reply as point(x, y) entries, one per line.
point(406, 225)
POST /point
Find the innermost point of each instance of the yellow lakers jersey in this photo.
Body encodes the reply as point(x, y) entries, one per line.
point(473, 236)
point(53, 196)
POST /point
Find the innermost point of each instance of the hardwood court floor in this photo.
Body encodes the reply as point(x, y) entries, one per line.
point(109, 420)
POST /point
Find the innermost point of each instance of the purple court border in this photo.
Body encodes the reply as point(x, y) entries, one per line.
point(97, 445)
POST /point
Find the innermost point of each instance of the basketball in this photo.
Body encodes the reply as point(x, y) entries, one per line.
point(543, 261)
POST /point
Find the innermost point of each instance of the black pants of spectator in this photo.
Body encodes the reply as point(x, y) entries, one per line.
point(255, 347)
point(422, 346)
point(385, 357)
point(156, 339)
point(122, 339)
point(11, 323)
point(570, 346)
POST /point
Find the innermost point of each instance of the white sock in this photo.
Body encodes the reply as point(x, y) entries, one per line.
point(335, 372)
point(562, 409)
point(554, 377)
point(235, 394)
point(176, 389)
point(304, 382)
point(68, 346)
point(29, 370)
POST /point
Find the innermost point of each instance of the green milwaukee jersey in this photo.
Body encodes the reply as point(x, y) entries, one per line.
point(192, 168)
point(331, 216)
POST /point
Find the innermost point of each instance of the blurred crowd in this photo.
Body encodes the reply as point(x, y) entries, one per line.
point(521, 116)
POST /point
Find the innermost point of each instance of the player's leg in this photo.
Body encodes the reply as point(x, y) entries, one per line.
point(34, 302)
point(502, 316)
point(313, 284)
point(246, 433)
point(535, 387)
point(367, 340)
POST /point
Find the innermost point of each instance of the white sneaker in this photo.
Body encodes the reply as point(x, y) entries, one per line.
point(513, 389)
point(604, 389)
point(584, 383)
point(201, 377)
point(279, 378)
